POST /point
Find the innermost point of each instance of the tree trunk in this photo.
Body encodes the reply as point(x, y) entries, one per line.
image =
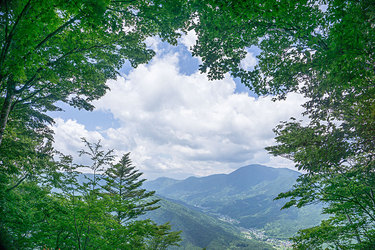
point(5, 110)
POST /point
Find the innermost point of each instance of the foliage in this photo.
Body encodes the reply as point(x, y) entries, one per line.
point(123, 185)
point(340, 175)
point(314, 42)
point(323, 49)
point(80, 215)
point(63, 51)
point(66, 51)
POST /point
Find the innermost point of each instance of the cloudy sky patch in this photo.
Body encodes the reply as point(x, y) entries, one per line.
point(179, 124)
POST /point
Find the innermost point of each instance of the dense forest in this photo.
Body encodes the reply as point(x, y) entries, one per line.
point(66, 51)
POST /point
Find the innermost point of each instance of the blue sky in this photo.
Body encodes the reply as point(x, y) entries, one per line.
point(175, 122)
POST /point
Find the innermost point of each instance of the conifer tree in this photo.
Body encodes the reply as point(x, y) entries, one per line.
point(123, 184)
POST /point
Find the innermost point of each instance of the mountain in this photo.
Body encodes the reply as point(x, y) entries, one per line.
point(245, 181)
point(200, 230)
point(244, 197)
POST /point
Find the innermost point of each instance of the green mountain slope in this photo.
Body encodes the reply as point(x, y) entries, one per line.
point(200, 230)
point(245, 195)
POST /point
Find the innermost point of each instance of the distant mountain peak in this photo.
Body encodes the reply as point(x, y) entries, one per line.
point(246, 195)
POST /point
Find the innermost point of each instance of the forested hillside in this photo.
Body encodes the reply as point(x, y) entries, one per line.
point(246, 196)
point(200, 230)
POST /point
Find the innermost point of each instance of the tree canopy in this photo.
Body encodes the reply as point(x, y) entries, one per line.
point(67, 50)
point(324, 49)
point(64, 51)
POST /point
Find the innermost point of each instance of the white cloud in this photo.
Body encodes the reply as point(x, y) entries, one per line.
point(178, 125)
point(249, 61)
point(189, 39)
point(68, 138)
point(153, 43)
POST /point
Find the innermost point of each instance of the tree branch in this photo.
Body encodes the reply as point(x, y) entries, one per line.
point(18, 183)
point(49, 36)
point(8, 39)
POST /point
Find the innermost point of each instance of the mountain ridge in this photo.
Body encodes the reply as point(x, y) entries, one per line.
point(241, 180)
point(245, 195)
point(234, 171)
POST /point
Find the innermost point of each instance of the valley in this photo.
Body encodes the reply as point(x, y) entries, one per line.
point(239, 204)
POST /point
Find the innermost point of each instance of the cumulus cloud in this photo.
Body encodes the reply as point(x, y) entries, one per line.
point(68, 138)
point(189, 39)
point(178, 125)
point(153, 43)
point(249, 61)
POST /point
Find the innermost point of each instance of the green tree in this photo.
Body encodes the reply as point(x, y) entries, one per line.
point(62, 51)
point(128, 201)
point(123, 185)
point(114, 197)
point(24, 208)
point(324, 50)
point(339, 174)
point(66, 50)
point(162, 238)
point(81, 213)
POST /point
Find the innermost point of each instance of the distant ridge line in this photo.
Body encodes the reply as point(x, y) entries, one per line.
point(224, 174)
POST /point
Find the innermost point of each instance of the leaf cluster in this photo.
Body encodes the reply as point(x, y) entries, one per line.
point(325, 51)
point(84, 211)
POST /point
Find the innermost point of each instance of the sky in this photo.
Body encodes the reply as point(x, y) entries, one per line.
point(175, 122)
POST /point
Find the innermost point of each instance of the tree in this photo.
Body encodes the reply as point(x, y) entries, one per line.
point(339, 175)
point(63, 51)
point(118, 192)
point(123, 185)
point(128, 201)
point(66, 50)
point(325, 51)
point(84, 211)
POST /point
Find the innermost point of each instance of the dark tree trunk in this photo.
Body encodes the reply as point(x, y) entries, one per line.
point(5, 110)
